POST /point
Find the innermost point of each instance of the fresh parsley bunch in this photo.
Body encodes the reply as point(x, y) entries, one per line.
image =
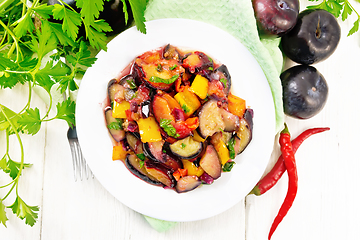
point(40, 47)
point(339, 8)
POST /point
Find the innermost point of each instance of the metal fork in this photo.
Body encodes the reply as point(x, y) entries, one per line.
point(80, 167)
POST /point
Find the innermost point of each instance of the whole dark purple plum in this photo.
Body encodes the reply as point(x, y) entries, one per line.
point(313, 39)
point(275, 17)
point(305, 91)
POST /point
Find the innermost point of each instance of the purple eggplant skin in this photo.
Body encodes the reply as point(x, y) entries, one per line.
point(160, 172)
point(244, 135)
point(132, 163)
point(187, 183)
point(223, 71)
point(116, 134)
point(154, 151)
point(113, 88)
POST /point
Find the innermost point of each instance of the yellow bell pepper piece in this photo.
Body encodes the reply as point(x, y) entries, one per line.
point(197, 137)
point(149, 130)
point(200, 86)
point(236, 105)
point(192, 170)
point(119, 153)
point(188, 101)
point(120, 108)
point(222, 151)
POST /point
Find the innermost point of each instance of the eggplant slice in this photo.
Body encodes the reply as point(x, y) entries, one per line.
point(210, 119)
point(136, 167)
point(186, 148)
point(244, 135)
point(114, 126)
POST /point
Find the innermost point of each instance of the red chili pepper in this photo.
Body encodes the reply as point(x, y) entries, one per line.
point(289, 160)
point(271, 178)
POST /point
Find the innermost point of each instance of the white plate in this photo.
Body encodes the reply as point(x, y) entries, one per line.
point(248, 82)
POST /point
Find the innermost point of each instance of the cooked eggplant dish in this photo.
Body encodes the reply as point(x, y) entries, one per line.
point(173, 120)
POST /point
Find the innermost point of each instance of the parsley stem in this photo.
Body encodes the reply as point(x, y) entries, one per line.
point(19, 139)
point(5, 4)
point(18, 53)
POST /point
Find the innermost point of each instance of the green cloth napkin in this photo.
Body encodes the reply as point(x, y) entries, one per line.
point(237, 18)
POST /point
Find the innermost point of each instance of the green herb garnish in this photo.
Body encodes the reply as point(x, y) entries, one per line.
point(185, 108)
point(173, 67)
point(223, 81)
point(141, 156)
point(231, 147)
point(131, 83)
point(155, 79)
point(228, 166)
point(183, 145)
point(116, 125)
point(159, 68)
point(168, 128)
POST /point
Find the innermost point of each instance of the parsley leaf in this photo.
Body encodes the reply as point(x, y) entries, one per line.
point(223, 81)
point(3, 217)
point(138, 9)
point(228, 166)
point(185, 108)
point(46, 41)
point(231, 147)
point(168, 128)
point(24, 211)
point(11, 167)
point(25, 24)
point(141, 156)
point(66, 111)
point(116, 125)
point(30, 121)
point(155, 79)
point(71, 20)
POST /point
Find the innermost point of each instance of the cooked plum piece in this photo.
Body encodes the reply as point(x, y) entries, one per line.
point(114, 126)
point(134, 142)
point(198, 62)
point(160, 172)
point(156, 72)
point(231, 121)
point(136, 167)
point(154, 150)
point(186, 148)
point(187, 183)
point(210, 162)
point(170, 52)
point(210, 119)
